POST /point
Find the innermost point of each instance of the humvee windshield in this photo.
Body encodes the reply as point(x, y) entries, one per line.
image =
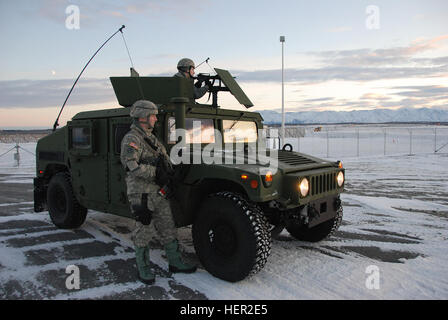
point(197, 130)
point(202, 131)
point(239, 131)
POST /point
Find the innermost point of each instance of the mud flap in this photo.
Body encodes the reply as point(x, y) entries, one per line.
point(40, 195)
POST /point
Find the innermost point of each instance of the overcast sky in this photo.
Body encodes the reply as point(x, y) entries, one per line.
point(339, 55)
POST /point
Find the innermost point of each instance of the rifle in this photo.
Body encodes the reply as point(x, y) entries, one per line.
point(165, 177)
point(164, 172)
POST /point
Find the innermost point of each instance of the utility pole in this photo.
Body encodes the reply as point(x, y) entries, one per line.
point(17, 154)
point(282, 40)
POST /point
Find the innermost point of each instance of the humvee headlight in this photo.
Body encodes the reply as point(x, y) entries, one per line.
point(267, 179)
point(340, 178)
point(304, 187)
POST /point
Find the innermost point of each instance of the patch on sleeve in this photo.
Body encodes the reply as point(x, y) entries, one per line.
point(133, 145)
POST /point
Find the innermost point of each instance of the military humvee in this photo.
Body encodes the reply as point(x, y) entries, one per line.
point(235, 206)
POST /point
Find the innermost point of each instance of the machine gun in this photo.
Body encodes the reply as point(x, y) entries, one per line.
point(222, 81)
point(213, 90)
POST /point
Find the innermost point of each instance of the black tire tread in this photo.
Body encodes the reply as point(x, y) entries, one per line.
point(77, 213)
point(260, 229)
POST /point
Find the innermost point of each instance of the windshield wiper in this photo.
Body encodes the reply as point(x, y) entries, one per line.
point(235, 121)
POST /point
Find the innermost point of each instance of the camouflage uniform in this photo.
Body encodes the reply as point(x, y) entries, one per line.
point(139, 158)
point(183, 67)
point(140, 152)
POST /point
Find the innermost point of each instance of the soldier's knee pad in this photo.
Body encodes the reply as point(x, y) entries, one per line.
point(141, 211)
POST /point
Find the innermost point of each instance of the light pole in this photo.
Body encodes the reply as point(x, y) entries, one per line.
point(282, 40)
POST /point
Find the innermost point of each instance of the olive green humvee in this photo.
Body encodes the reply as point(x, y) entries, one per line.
point(234, 192)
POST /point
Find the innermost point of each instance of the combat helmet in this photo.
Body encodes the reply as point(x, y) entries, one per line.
point(185, 64)
point(143, 109)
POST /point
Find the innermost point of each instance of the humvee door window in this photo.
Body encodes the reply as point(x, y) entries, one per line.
point(197, 130)
point(239, 131)
point(120, 132)
point(81, 138)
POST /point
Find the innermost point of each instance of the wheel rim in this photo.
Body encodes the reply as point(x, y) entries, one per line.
point(223, 239)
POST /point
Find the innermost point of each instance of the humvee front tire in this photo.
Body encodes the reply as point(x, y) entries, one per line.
point(65, 211)
point(231, 237)
point(316, 233)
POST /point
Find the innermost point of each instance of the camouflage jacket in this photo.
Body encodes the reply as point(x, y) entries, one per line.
point(198, 92)
point(139, 158)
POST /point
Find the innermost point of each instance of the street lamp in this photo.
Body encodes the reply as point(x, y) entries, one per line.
point(282, 40)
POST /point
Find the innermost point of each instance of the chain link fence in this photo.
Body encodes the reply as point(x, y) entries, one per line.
point(18, 136)
point(362, 140)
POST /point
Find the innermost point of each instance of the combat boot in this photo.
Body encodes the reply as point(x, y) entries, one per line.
point(144, 272)
point(175, 260)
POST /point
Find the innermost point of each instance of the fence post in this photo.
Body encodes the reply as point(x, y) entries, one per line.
point(357, 145)
point(384, 141)
point(410, 141)
point(435, 140)
point(328, 145)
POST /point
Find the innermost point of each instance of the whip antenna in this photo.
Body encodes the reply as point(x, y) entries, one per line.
point(213, 69)
point(56, 124)
point(127, 49)
point(205, 61)
point(134, 73)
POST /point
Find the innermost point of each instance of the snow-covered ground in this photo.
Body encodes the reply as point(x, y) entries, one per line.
point(394, 230)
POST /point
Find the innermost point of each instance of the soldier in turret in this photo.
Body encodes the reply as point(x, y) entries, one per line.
point(140, 156)
point(185, 69)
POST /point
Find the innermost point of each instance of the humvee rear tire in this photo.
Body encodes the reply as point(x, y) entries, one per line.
point(65, 211)
point(231, 237)
point(316, 233)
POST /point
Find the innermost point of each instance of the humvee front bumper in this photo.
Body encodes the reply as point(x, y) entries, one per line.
point(322, 210)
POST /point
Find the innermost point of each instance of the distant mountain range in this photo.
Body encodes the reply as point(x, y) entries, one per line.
point(358, 116)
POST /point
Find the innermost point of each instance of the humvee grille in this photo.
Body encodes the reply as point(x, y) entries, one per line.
point(323, 183)
point(293, 159)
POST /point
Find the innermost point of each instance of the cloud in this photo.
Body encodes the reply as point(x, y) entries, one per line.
point(381, 57)
point(346, 73)
point(374, 96)
point(50, 93)
point(363, 65)
point(318, 99)
point(422, 91)
point(93, 12)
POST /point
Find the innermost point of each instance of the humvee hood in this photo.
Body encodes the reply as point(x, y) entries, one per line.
point(285, 161)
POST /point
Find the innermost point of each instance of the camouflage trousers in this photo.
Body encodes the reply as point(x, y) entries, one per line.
point(161, 216)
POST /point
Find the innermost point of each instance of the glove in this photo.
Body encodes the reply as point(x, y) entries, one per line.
point(141, 211)
point(198, 83)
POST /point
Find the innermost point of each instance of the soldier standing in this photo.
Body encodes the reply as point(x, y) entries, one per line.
point(140, 151)
point(186, 68)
